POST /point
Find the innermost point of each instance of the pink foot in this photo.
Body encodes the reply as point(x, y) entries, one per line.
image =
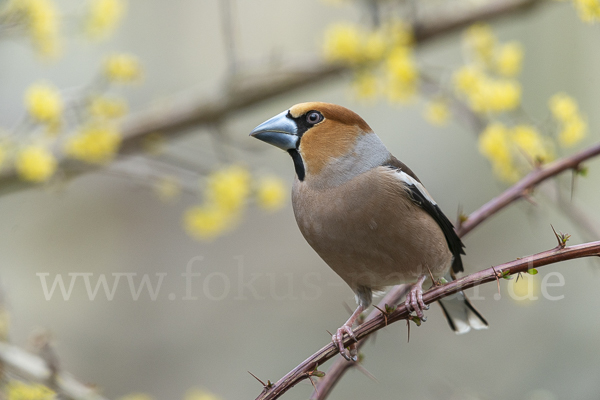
point(338, 340)
point(414, 299)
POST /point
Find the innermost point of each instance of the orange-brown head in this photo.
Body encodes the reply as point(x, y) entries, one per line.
point(323, 138)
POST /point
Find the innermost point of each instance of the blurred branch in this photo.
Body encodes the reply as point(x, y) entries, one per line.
point(33, 368)
point(185, 114)
point(588, 226)
point(522, 265)
point(524, 187)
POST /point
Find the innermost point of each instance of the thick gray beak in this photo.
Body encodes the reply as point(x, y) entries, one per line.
point(280, 131)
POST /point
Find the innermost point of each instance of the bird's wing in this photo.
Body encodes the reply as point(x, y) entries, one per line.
point(419, 195)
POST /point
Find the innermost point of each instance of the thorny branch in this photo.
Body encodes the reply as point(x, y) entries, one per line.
point(436, 293)
point(336, 371)
point(524, 186)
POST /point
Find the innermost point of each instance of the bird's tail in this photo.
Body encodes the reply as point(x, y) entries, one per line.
point(461, 314)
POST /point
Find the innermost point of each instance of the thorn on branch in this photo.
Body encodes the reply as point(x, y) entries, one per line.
point(388, 310)
point(497, 276)
point(318, 374)
point(562, 238)
point(433, 281)
point(267, 385)
point(366, 372)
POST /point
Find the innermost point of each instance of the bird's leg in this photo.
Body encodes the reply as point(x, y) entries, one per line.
point(414, 298)
point(338, 337)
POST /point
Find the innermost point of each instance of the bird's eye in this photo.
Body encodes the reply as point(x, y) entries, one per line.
point(314, 117)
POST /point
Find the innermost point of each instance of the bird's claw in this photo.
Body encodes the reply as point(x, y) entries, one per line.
point(414, 302)
point(338, 339)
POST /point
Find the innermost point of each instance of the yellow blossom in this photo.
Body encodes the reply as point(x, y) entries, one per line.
point(41, 20)
point(523, 290)
point(530, 141)
point(402, 73)
point(509, 58)
point(375, 46)
point(35, 164)
point(365, 85)
point(103, 17)
point(17, 390)
point(270, 193)
point(573, 126)
point(44, 103)
point(481, 40)
point(437, 112)
point(494, 143)
point(228, 188)
point(167, 188)
point(468, 78)
point(343, 43)
point(506, 172)
point(96, 143)
point(199, 394)
point(122, 68)
point(486, 94)
point(573, 131)
point(588, 10)
point(207, 221)
point(105, 107)
point(563, 107)
point(136, 396)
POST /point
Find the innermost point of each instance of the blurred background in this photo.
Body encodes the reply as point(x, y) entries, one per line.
point(126, 125)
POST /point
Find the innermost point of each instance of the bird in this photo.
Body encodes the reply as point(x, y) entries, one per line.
point(366, 213)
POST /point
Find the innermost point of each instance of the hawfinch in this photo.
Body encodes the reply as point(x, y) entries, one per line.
point(366, 213)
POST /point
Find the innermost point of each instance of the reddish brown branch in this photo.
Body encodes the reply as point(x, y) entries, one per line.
point(479, 278)
point(326, 384)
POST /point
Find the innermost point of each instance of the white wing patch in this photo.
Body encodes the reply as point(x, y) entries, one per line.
point(409, 180)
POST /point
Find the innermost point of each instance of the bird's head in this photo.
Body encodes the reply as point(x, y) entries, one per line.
point(325, 141)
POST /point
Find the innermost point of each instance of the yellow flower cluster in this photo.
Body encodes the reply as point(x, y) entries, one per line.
point(270, 193)
point(43, 103)
point(509, 150)
point(403, 75)
point(484, 93)
point(107, 108)
point(482, 45)
point(487, 83)
point(437, 112)
point(389, 47)
point(227, 192)
point(122, 68)
point(96, 143)
point(200, 394)
point(573, 126)
point(35, 163)
point(588, 10)
point(42, 22)
point(103, 16)
point(17, 390)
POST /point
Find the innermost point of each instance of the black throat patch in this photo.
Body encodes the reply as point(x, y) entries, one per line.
point(298, 163)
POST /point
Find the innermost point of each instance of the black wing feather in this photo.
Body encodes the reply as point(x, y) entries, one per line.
point(455, 245)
